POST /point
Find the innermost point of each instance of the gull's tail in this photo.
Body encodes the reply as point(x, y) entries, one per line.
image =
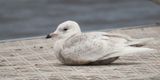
point(135, 46)
point(132, 50)
point(139, 42)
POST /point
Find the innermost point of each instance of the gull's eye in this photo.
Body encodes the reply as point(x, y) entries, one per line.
point(65, 29)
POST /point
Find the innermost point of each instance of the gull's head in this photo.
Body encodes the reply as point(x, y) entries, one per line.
point(65, 29)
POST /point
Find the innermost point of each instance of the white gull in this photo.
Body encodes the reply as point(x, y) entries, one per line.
point(72, 47)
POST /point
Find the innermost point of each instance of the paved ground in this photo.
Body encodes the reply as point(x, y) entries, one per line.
point(34, 60)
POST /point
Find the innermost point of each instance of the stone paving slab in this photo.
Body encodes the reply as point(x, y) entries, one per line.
point(34, 59)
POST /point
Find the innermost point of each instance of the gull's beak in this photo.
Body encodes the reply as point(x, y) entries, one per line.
point(48, 36)
point(51, 35)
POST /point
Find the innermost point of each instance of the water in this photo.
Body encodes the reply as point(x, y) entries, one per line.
point(28, 18)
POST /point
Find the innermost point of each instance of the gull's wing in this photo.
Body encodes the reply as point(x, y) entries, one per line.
point(123, 44)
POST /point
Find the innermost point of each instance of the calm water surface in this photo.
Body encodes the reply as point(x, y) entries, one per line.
point(26, 18)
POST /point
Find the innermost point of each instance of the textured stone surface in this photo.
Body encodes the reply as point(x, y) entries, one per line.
point(34, 59)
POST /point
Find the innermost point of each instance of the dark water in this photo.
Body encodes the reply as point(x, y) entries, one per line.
point(26, 18)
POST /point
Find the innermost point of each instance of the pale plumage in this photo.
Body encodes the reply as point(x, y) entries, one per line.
point(74, 47)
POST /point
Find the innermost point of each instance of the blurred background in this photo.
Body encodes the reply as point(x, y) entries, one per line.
point(28, 18)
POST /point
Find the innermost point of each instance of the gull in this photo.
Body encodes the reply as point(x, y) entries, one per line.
point(73, 47)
